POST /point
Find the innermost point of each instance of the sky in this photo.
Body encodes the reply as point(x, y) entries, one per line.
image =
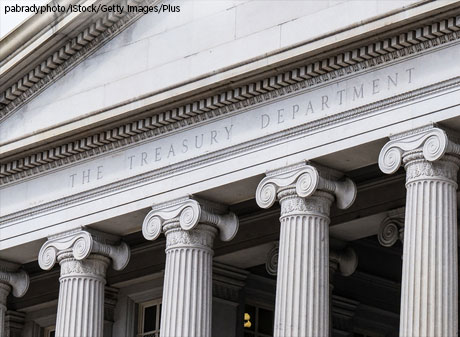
point(10, 21)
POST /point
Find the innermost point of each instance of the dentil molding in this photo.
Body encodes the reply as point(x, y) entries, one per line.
point(308, 76)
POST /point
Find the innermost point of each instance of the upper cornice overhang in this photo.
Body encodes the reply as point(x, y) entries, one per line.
point(387, 50)
point(194, 92)
point(48, 45)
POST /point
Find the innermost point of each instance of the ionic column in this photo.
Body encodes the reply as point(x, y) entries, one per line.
point(302, 293)
point(14, 280)
point(84, 256)
point(429, 290)
point(190, 227)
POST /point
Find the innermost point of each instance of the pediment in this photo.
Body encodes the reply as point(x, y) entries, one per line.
point(46, 81)
point(86, 89)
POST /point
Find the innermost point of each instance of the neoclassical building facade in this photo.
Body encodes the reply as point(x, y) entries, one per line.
point(231, 169)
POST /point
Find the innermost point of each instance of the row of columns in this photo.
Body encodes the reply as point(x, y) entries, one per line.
point(305, 192)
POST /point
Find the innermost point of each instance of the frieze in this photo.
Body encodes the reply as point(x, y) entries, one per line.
point(79, 184)
point(235, 150)
point(298, 79)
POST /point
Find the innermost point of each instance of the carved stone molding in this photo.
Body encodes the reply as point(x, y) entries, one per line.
point(305, 192)
point(392, 228)
point(84, 255)
point(306, 180)
point(343, 311)
point(311, 75)
point(14, 323)
point(110, 301)
point(430, 143)
point(79, 245)
point(12, 279)
point(431, 159)
point(189, 213)
point(228, 281)
point(271, 265)
point(68, 56)
point(190, 226)
point(16, 278)
point(344, 261)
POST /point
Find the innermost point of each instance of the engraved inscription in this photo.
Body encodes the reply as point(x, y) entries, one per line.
point(224, 132)
point(313, 103)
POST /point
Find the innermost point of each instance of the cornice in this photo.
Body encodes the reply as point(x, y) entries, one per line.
point(191, 164)
point(190, 114)
point(68, 56)
point(256, 93)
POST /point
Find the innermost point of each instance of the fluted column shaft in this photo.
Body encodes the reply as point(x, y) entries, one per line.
point(429, 289)
point(429, 294)
point(305, 193)
point(187, 292)
point(81, 296)
point(190, 226)
point(302, 293)
point(4, 291)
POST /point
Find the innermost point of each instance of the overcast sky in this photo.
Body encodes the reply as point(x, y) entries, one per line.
point(11, 20)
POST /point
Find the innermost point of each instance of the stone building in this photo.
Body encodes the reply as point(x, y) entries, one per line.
point(231, 168)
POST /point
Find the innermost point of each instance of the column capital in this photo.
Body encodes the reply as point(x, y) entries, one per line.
point(271, 263)
point(306, 178)
point(345, 261)
point(14, 277)
point(189, 212)
point(80, 244)
point(429, 142)
point(392, 228)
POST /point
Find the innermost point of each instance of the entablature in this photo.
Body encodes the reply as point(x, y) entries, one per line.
point(195, 90)
point(342, 103)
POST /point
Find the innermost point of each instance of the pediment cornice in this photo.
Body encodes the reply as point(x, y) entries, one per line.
point(44, 49)
point(309, 76)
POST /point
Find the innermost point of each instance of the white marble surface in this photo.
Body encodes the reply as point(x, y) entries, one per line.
point(305, 194)
point(203, 38)
point(429, 286)
point(262, 120)
point(278, 144)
